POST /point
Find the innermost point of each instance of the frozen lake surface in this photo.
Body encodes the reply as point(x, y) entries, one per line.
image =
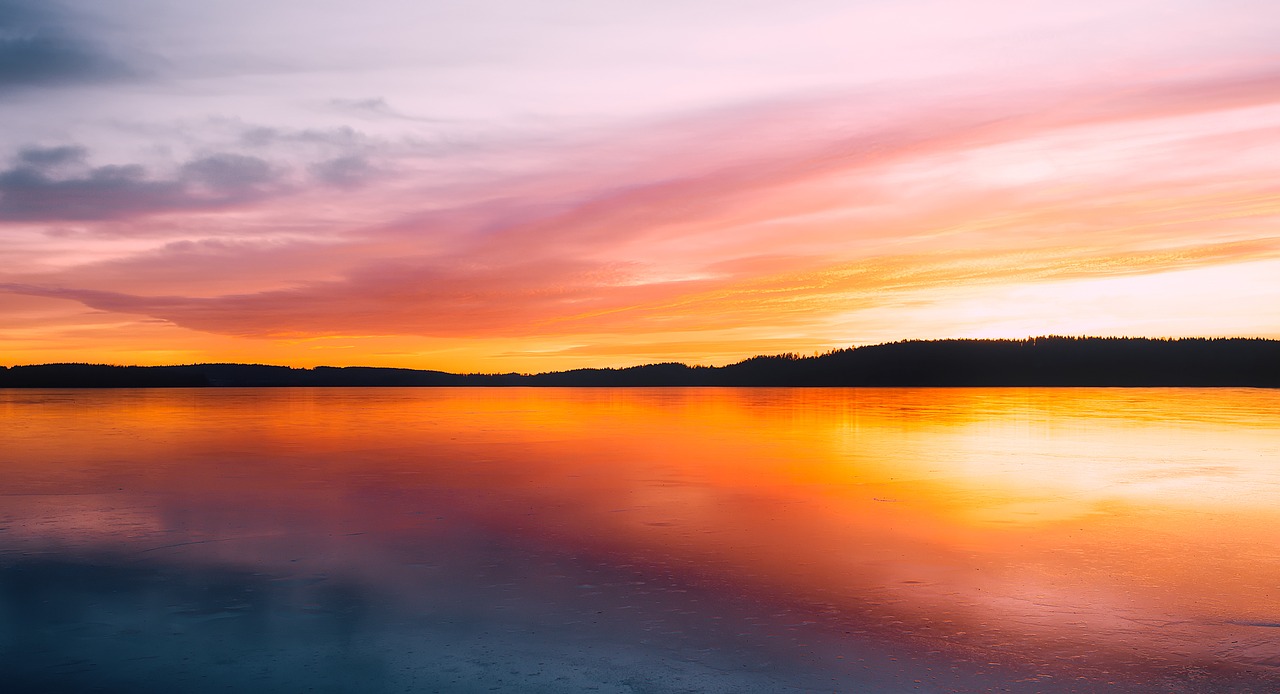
point(640, 540)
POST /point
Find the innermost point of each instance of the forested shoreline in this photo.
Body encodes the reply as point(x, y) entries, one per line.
point(1039, 361)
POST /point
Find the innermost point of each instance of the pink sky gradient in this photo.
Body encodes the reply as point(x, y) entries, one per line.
point(494, 188)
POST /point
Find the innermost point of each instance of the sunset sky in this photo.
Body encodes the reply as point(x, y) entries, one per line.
point(496, 185)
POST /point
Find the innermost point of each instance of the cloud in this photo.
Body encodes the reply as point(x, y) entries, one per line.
point(47, 157)
point(205, 267)
point(40, 45)
point(344, 172)
point(376, 108)
point(34, 189)
point(559, 296)
point(228, 174)
point(340, 137)
point(437, 298)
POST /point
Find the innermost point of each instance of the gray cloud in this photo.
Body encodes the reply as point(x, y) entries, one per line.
point(41, 45)
point(33, 190)
point(375, 108)
point(46, 157)
point(343, 137)
point(343, 172)
point(234, 174)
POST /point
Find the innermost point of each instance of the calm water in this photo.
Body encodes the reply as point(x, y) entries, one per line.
point(665, 540)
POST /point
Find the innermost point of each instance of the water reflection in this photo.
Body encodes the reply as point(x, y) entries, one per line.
point(641, 540)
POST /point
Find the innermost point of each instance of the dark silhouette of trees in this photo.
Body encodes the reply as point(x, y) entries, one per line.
point(101, 376)
point(1039, 361)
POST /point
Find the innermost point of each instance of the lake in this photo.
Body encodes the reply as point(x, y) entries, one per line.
point(640, 540)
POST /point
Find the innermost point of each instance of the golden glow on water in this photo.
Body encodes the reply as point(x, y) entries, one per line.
point(1096, 530)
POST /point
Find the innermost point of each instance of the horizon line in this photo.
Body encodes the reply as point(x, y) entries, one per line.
point(785, 355)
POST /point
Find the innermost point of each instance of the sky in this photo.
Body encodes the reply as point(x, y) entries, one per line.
point(498, 186)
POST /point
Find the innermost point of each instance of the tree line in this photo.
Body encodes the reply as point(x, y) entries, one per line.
point(1038, 361)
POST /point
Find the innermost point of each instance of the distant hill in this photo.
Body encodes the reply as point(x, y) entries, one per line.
point(1039, 361)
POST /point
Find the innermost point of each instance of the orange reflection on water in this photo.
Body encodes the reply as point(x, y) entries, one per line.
point(1088, 530)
